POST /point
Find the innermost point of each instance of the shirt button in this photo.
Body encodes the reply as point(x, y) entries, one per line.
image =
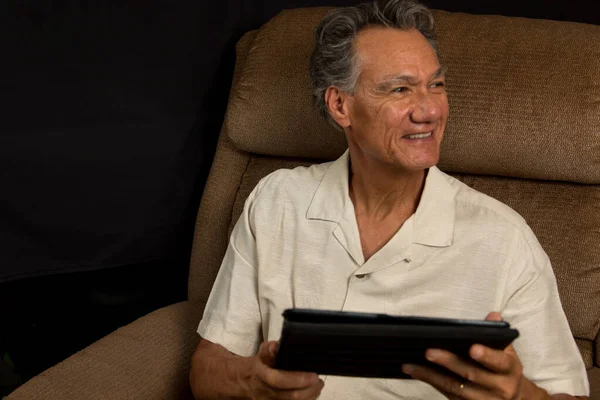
point(360, 276)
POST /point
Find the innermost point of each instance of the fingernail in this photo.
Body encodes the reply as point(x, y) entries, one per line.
point(431, 355)
point(476, 352)
point(408, 369)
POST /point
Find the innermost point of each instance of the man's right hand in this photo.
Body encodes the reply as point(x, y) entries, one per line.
point(217, 373)
point(264, 382)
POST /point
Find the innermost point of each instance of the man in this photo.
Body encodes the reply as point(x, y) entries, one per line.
point(383, 230)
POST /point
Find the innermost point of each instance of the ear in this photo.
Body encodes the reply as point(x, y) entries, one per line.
point(337, 105)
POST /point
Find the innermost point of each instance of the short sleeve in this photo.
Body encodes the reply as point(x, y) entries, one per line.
point(232, 314)
point(545, 344)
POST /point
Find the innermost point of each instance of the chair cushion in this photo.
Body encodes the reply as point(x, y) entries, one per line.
point(594, 378)
point(529, 86)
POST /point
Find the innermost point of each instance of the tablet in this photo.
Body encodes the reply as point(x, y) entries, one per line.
point(376, 345)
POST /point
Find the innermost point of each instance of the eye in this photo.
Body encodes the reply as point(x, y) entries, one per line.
point(401, 89)
point(439, 84)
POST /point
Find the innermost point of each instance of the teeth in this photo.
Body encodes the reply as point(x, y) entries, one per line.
point(419, 135)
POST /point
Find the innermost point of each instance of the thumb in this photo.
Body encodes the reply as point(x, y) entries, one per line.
point(267, 352)
point(493, 316)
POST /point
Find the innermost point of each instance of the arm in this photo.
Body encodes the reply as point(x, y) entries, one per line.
point(496, 374)
point(544, 359)
point(228, 362)
point(217, 373)
point(214, 372)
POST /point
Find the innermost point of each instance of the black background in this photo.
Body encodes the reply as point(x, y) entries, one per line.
point(110, 114)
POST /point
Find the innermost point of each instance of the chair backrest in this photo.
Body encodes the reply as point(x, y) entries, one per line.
point(524, 128)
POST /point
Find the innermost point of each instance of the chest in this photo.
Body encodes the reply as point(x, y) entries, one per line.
point(324, 271)
point(375, 234)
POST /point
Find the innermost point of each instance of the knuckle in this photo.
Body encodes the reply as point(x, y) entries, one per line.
point(470, 374)
point(518, 367)
point(269, 377)
point(303, 380)
point(309, 379)
point(451, 387)
point(294, 395)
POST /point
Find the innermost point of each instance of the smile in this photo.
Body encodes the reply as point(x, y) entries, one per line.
point(418, 135)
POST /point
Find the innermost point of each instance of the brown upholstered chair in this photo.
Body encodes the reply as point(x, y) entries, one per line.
point(524, 128)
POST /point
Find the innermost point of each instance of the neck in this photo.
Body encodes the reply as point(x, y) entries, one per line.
point(378, 189)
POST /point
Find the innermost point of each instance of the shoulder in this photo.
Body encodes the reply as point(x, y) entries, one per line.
point(473, 202)
point(485, 212)
point(296, 184)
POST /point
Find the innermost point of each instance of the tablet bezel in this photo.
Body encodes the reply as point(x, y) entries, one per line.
point(376, 345)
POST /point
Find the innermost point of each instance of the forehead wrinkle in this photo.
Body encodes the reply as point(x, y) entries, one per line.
point(410, 79)
point(365, 58)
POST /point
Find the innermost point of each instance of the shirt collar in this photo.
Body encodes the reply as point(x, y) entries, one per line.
point(433, 220)
point(435, 215)
point(332, 194)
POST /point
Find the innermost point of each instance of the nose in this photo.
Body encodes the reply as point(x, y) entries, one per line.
point(427, 108)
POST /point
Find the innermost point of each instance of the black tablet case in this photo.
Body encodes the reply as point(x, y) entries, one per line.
point(376, 345)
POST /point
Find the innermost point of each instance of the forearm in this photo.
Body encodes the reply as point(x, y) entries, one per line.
point(217, 374)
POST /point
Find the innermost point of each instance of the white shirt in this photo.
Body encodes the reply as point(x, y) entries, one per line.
point(462, 254)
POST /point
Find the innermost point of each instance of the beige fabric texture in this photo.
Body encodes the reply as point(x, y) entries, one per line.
point(566, 220)
point(290, 231)
point(147, 359)
point(543, 205)
point(509, 79)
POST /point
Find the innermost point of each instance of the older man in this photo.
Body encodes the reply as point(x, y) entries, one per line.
point(383, 230)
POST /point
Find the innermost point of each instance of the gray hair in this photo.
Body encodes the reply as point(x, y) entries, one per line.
point(334, 61)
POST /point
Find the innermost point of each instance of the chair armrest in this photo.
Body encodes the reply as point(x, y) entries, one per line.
point(594, 378)
point(147, 359)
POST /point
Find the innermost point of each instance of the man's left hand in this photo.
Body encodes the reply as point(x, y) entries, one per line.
point(495, 374)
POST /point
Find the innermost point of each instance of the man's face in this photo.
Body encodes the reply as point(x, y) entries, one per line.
point(398, 112)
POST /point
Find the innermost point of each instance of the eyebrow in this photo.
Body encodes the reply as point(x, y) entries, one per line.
point(410, 79)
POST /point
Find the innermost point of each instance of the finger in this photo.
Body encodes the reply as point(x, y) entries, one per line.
point(494, 316)
point(278, 379)
point(267, 352)
point(449, 385)
point(468, 370)
point(500, 361)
